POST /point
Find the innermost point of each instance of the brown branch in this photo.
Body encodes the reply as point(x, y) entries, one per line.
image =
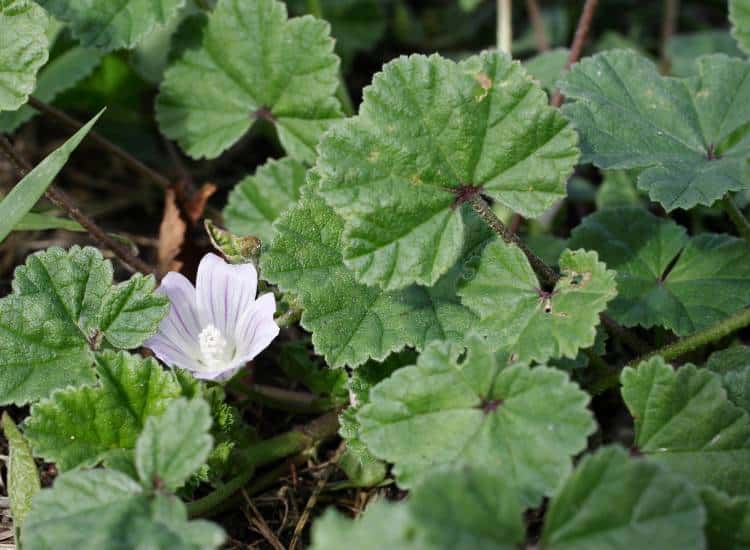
point(537, 23)
point(62, 200)
point(668, 28)
point(576, 48)
point(104, 143)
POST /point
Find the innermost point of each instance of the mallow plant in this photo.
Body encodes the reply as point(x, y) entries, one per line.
point(487, 380)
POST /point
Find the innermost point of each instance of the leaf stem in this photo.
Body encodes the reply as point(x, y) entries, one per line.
point(668, 27)
point(265, 452)
point(738, 218)
point(504, 26)
point(543, 271)
point(537, 22)
point(61, 199)
point(288, 400)
point(576, 48)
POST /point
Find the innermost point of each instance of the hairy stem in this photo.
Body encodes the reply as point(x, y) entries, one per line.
point(105, 144)
point(288, 400)
point(266, 452)
point(504, 26)
point(738, 218)
point(576, 48)
point(61, 199)
point(668, 28)
point(543, 271)
point(540, 33)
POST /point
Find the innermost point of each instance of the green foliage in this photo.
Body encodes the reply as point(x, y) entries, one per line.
point(728, 525)
point(23, 50)
point(24, 195)
point(684, 420)
point(253, 63)
point(352, 322)
point(79, 426)
point(684, 49)
point(535, 324)
point(256, 201)
point(739, 16)
point(460, 509)
point(547, 67)
point(109, 25)
point(22, 475)
point(429, 134)
point(689, 135)
point(481, 409)
point(612, 501)
point(63, 308)
point(663, 277)
point(733, 366)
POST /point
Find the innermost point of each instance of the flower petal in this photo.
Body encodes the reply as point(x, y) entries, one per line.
point(224, 292)
point(171, 354)
point(217, 376)
point(181, 326)
point(256, 329)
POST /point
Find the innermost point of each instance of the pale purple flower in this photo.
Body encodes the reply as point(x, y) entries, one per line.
point(216, 327)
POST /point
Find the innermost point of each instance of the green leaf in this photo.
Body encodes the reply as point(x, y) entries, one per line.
point(23, 50)
point(547, 67)
point(63, 305)
point(254, 63)
point(131, 312)
point(612, 501)
point(352, 322)
point(457, 509)
point(728, 525)
point(58, 75)
point(739, 17)
point(296, 362)
point(663, 277)
point(109, 25)
point(478, 410)
point(42, 222)
point(617, 189)
point(733, 367)
point(537, 325)
point(236, 249)
point(22, 475)
point(684, 420)
point(430, 134)
point(684, 49)
point(29, 190)
point(175, 444)
point(78, 426)
point(689, 135)
point(256, 201)
point(94, 509)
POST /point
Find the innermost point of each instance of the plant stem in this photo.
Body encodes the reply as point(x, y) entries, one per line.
point(61, 199)
point(738, 218)
point(668, 27)
point(293, 401)
point(543, 271)
point(504, 26)
point(697, 340)
point(265, 452)
point(105, 144)
point(576, 48)
point(540, 34)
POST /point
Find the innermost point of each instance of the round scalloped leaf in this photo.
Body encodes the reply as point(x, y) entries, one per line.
point(728, 525)
point(256, 201)
point(352, 322)
point(77, 426)
point(739, 17)
point(684, 420)
point(612, 501)
point(478, 410)
point(109, 24)
point(23, 50)
point(253, 63)
point(107, 509)
point(534, 324)
point(733, 366)
point(430, 134)
point(689, 135)
point(460, 509)
point(663, 277)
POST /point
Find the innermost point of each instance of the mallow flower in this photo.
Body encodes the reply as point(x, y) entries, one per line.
point(216, 327)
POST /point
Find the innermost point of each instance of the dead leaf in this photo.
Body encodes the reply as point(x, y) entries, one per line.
point(171, 234)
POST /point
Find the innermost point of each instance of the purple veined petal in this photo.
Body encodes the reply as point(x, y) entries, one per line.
point(181, 326)
point(217, 376)
point(224, 292)
point(171, 354)
point(256, 329)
